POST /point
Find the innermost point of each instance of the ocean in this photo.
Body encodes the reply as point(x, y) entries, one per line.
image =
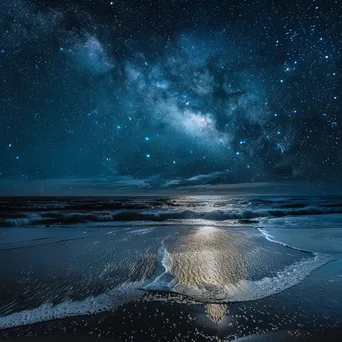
point(249, 268)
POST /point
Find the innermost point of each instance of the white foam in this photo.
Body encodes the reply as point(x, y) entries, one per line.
point(288, 277)
point(323, 240)
point(163, 279)
point(142, 231)
point(46, 312)
point(271, 238)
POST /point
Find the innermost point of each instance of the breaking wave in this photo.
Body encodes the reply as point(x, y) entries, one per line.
point(59, 218)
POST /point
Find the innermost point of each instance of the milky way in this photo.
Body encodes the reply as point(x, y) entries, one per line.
point(129, 95)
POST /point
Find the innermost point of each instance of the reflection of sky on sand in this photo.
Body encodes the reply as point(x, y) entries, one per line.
point(206, 230)
point(205, 261)
point(207, 258)
point(216, 312)
point(216, 266)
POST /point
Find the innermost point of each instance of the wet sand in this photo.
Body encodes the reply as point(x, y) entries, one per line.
point(311, 310)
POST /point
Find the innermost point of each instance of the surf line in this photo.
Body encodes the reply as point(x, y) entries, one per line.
point(163, 280)
point(317, 255)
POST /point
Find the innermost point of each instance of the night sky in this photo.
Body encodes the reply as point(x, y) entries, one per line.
point(111, 97)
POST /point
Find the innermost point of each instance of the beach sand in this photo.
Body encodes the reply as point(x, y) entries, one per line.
point(309, 310)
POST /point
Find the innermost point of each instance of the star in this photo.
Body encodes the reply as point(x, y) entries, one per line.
point(194, 95)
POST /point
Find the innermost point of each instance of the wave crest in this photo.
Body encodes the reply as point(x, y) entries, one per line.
point(56, 218)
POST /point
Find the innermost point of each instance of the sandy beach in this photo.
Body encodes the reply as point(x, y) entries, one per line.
point(276, 279)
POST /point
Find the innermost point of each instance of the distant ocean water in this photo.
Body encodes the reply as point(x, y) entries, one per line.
point(76, 256)
point(20, 212)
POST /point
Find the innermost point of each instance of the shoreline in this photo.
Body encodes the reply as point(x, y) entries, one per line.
point(287, 316)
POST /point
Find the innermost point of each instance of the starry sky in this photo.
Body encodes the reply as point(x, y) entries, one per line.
point(112, 97)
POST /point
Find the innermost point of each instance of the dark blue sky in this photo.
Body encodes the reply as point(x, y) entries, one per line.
point(132, 96)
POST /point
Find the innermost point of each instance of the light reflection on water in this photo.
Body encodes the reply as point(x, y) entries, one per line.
point(216, 312)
